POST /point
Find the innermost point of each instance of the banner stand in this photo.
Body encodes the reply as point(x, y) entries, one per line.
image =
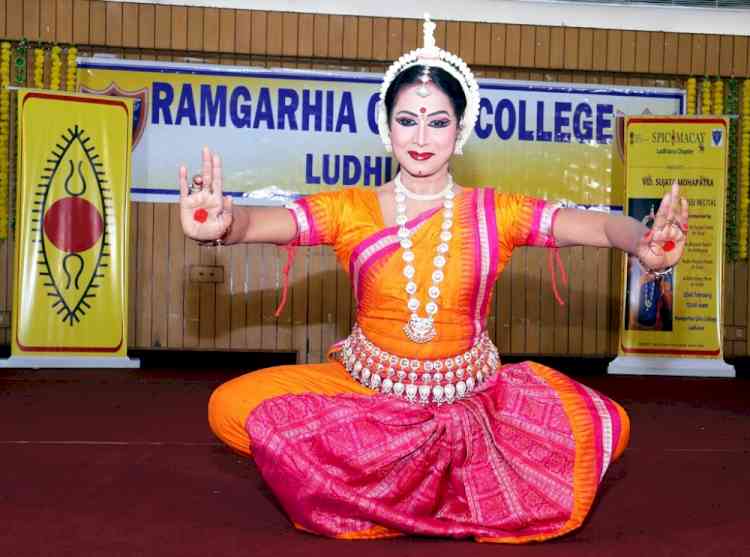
point(671, 324)
point(686, 367)
point(40, 362)
point(70, 294)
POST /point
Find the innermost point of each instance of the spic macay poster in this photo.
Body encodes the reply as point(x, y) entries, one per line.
point(70, 297)
point(677, 317)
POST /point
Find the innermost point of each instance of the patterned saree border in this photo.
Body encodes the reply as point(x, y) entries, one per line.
point(478, 260)
point(483, 243)
point(373, 533)
point(585, 471)
point(307, 232)
point(600, 430)
point(490, 245)
point(623, 437)
point(542, 224)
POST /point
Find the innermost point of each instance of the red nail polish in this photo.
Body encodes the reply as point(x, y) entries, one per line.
point(200, 215)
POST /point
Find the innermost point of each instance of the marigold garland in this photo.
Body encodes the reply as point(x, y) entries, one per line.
point(706, 96)
point(55, 68)
point(39, 68)
point(744, 170)
point(690, 88)
point(5, 51)
point(71, 69)
point(732, 108)
point(718, 98)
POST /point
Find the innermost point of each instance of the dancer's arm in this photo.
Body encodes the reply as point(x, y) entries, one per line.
point(209, 216)
point(656, 248)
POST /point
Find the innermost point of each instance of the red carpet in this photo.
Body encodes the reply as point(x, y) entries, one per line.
point(110, 463)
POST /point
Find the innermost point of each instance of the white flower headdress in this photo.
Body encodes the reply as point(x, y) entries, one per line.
point(431, 56)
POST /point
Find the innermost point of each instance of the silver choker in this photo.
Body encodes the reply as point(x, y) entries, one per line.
point(423, 196)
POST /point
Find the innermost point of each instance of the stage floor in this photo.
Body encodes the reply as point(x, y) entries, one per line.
point(117, 462)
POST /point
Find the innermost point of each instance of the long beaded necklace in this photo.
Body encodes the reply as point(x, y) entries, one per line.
point(422, 329)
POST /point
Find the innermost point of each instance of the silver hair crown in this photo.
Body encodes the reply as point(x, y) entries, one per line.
point(433, 57)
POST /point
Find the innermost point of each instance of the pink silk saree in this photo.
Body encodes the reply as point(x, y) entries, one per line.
point(518, 460)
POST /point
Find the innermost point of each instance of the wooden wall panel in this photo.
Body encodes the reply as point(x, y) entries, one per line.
point(712, 54)
point(166, 309)
point(320, 37)
point(242, 28)
point(642, 51)
point(499, 46)
point(14, 19)
point(97, 28)
point(3, 20)
point(364, 38)
point(129, 31)
point(698, 55)
point(512, 45)
point(57, 24)
point(542, 46)
point(211, 30)
point(726, 55)
point(467, 42)
point(570, 61)
point(349, 36)
point(600, 50)
point(335, 36)
point(614, 50)
point(627, 56)
point(527, 47)
point(740, 58)
point(557, 50)
point(393, 41)
point(684, 53)
point(253, 294)
point(380, 38)
point(31, 20)
point(669, 64)
point(586, 49)
point(483, 44)
point(258, 32)
point(451, 31)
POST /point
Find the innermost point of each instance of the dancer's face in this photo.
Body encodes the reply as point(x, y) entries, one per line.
point(423, 130)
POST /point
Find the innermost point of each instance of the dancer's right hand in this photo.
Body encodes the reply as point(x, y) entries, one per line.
point(205, 213)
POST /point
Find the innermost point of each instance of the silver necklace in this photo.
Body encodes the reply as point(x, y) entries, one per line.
point(422, 329)
point(423, 196)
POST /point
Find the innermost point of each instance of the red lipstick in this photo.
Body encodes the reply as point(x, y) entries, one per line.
point(417, 156)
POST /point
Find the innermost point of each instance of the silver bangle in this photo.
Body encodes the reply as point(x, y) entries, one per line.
point(210, 243)
point(664, 272)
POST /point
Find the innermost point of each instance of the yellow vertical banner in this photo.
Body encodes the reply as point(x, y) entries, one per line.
point(70, 295)
point(671, 325)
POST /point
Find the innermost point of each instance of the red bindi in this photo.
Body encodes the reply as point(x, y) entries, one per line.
point(668, 245)
point(423, 110)
point(200, 215)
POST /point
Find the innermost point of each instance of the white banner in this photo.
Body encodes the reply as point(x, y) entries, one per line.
point(284, 133)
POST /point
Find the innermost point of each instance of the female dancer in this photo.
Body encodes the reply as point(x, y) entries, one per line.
point(413, 426)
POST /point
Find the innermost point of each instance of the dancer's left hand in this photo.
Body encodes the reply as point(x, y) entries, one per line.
point(663, 245)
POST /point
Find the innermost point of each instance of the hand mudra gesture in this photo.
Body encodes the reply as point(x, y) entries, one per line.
point(663, 245)
point(205, 213)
